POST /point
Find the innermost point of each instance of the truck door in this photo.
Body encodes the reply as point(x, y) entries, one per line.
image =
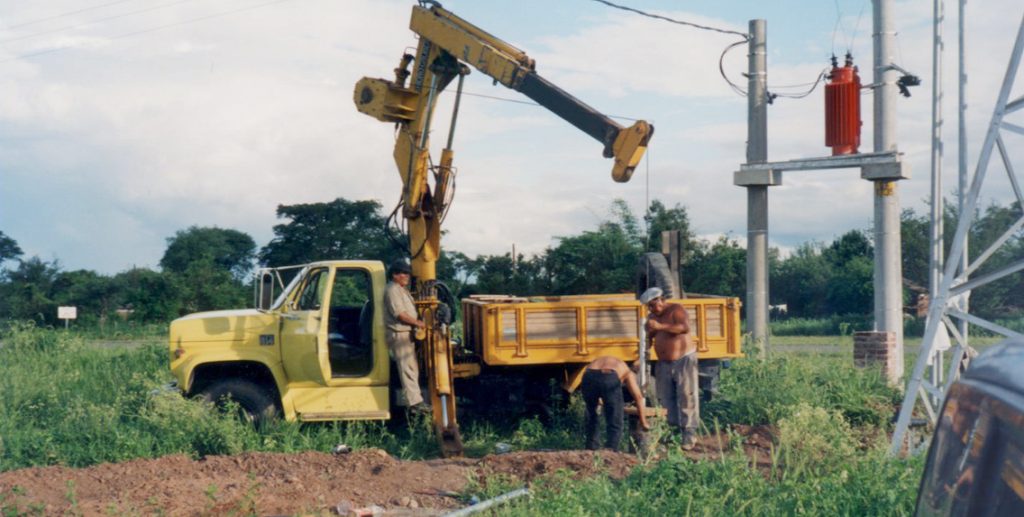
point(333, 340)
point(304, 330)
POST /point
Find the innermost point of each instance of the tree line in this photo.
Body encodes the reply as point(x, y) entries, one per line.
point(209, 268)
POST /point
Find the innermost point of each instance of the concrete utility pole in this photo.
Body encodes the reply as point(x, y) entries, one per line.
point(888, 270)
point(757, 195)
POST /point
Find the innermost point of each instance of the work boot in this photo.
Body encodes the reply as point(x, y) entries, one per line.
point(688, 441)
point(419, 409)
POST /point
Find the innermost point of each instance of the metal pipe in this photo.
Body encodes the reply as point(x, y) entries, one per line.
point(962, 152)
point(757, 195)
point(935, 238)
point(444, 410)
point(642, 332)
point(483, 505)
point(455, 110)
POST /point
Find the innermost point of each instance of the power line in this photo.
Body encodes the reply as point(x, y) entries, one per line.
point(152, 29)
point(528, 103)
point(721, 68)
point(672, 20)
point(68, 13)
point(98, 20)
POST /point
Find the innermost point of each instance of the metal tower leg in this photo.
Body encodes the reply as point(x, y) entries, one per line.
point(956, 284)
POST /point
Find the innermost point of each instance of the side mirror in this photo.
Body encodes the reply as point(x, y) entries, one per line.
point(266, 297)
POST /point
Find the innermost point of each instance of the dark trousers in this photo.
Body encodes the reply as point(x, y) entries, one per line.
point(598, 385)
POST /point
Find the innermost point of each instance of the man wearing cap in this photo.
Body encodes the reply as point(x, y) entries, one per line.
point(399, 321)
point(668, 327)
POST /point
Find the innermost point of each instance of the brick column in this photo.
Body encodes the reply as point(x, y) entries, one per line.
point(878, 349)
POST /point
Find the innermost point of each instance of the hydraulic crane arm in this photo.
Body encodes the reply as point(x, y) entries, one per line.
point(447, 44)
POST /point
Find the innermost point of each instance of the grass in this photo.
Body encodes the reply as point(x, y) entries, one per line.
point(869, 484)
point(66, 402)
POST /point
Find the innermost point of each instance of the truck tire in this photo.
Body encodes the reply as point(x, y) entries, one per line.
point(653, 271)
point(256, 403)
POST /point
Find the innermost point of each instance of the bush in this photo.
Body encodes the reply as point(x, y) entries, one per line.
point(755, 392)
point(811, 435)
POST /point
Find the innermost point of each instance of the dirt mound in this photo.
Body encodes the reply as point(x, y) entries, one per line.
point(264, 483)
point(526, 466)
point(308, 482)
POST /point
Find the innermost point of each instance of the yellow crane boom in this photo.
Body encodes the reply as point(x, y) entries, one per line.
point(447, 44)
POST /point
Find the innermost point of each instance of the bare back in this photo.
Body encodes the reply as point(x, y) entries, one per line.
point(627, 377)
point(671, 345)
point(610, 363)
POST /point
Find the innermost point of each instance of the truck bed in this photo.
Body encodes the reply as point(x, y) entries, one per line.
point(519, 331)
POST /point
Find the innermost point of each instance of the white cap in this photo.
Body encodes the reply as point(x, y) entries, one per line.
point(650, 295)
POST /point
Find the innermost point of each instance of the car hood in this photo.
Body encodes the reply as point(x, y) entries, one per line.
point(233, 325)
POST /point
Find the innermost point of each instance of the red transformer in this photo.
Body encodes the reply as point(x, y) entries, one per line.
point(842, 108)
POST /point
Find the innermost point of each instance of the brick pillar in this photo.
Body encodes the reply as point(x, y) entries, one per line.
point(878, 349)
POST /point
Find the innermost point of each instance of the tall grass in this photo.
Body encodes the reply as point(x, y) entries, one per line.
point(64, 402)
point(869, 484)
point(758, 392)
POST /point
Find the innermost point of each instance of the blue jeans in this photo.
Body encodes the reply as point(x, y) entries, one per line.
point(604, 386)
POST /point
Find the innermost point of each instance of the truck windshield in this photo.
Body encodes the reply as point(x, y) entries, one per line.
point(288, 289)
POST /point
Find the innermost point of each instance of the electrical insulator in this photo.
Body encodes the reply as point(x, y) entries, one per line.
point(842, 108)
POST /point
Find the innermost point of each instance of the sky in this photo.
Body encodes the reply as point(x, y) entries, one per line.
point(123, 122)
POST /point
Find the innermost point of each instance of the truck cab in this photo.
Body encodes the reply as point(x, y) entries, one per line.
point(316, 353)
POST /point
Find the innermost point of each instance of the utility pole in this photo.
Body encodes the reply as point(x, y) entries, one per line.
point(757, 195)
point(935, 257)
point(888, 274)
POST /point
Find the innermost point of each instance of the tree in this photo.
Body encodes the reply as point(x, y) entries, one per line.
point(204, 286)
point(29, 291)
point(150, 295)
point(95, 295)
point(599, 261)
point(229, 250)
point(915, 235)
point(341, 229)
point(801, 282)
point(661, 219)
point(9, 249)
point(718, 268)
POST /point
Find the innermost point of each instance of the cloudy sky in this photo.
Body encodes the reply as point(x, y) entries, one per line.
point(122, 122)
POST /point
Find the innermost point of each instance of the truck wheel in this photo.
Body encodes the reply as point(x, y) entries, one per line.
point(256, 404)
point(653, 271)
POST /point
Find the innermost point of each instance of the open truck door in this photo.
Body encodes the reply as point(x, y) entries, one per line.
point(332, 344)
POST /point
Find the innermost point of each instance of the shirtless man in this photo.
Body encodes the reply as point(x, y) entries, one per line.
point(668, 326)
point(603, 380)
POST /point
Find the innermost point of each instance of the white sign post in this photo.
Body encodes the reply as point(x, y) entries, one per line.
point(67, 314)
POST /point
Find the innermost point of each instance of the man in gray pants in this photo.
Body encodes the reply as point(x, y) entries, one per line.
point(399, 321)
point(676, 373)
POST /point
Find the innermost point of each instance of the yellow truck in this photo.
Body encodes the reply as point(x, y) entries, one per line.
point(317, 352)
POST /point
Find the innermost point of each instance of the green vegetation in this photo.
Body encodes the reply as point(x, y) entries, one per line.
point(868, 483)
point(68, 402)
point(764, 392)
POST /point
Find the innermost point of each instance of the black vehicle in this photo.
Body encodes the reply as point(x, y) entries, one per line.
point(976, 461)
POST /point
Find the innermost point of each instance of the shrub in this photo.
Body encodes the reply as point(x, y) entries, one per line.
point(811, 435)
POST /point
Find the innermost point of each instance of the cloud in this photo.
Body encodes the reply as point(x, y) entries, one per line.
point(116, 142)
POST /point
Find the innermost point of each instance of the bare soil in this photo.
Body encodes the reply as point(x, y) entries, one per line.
point(281, 484)
point(311, 483)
